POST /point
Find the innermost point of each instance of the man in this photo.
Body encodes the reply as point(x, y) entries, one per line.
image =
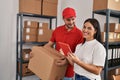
point(67, 33)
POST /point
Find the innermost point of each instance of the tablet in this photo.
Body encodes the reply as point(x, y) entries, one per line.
point(65, 48)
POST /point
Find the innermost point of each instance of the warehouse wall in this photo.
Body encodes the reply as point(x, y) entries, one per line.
point(83, 9)
point(8, 11)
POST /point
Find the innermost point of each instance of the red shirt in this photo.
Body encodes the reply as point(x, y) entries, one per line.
point(72, 38)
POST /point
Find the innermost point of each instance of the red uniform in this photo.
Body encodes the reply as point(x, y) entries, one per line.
point(72, 38)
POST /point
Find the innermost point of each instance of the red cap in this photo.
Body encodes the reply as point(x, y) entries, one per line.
point(68, 12)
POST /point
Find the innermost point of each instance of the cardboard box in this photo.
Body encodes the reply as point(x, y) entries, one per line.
point(25, 70)
point(43, 64)
point(31, 24)
point(49, 7)
point(53, 1)
point(113, 72)
point(43, 25)
point(26, 54)
point(106, 4)
point(112, 36)
point(30, 6)
point(113, 27)
point(29, 38)
point(110, 73)
point(32, 31)
point(118, 71)
point(118, 37)
point(44, 35)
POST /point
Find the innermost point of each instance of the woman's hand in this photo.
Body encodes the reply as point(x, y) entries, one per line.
point(72, 58)
point(89, 67)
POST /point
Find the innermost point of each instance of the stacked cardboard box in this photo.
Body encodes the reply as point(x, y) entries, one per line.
point(112, 36)
point(49, 7)
point(36, 32)
point(25, 70)
point(44, 33)
point(106, 4)
point(43, 64)
point(113, 72)
point(113, 27)
point(26, 54)
point(30, 6)
point(30, 31)
point(41, 7)
point(114, 32)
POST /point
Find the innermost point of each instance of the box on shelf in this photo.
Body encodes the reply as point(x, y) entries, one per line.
point(31, 24)
point(41, 7)
point(113, 27)
point(112, 36)
point(106, 4)
point(44, 35)
point(30, 6)
point(49, 7)
point(43, 25)
point(28, 30)
point(110, 73)
point(113, 72)
point(26, 54)
point(118, 37)
point(29, 38)
point(43, 64)
point(25, 70)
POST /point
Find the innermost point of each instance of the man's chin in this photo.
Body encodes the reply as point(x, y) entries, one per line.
point(70, 27)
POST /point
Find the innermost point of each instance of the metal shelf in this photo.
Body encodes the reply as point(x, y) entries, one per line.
point(113, 45)
point(113, 13)
point(20, 42)
point(35, 15)
point(108, 45)
point(115, 67)
point(34, 43)
point(23, 61)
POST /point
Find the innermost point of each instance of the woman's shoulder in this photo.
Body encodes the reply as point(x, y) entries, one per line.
point(99, 45)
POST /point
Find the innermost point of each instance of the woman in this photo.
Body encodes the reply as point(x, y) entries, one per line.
point(89, 57)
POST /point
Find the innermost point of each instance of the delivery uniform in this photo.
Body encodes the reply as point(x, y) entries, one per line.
point(73, 37)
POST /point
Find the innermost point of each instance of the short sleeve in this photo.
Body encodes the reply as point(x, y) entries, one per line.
point(99, 55)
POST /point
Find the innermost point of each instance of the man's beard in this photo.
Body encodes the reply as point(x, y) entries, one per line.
point(70, 26)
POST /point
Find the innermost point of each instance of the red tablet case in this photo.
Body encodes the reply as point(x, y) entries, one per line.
point(65, 48)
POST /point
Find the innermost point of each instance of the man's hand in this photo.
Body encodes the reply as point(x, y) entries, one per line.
point(31, 54)
point(61, 61)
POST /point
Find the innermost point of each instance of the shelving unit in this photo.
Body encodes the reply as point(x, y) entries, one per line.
point(19, 40)
point(112, 45)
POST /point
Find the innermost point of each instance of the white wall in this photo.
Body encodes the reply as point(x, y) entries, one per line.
point(83, 10)
point(9, 9)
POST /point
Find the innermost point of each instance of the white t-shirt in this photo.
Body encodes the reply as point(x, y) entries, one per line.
point(91, 52)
